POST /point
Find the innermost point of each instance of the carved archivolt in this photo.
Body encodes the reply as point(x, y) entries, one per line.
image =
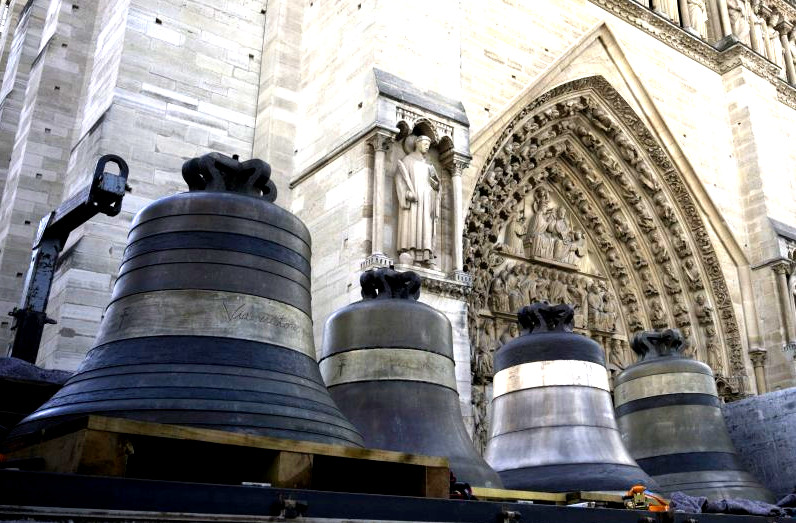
point(577, 202)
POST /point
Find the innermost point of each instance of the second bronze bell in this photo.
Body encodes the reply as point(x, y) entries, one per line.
point(209, 324)
point(388, 363)
point(553, 426)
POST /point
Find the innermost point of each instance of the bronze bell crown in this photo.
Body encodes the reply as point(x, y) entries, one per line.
point(388, 363)
point(210, 322)
point(553, 427)
point(669, 414)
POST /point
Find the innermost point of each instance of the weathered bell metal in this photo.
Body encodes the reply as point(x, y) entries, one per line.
point(209, 323)
point(553, 426)
point(669, 414)
point(388, 363)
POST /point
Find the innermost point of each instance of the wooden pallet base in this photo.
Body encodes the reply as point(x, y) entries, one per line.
point(119, 447)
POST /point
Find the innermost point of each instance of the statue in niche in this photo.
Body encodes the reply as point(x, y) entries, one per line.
point(483, 368)
point(595, 302)
point(712, 350)
point(669, 8)
point(679, 241)
point(560, 233)
point(658, 248)
point(689, 349)
point(577, 292)
point(524, 286)
point(543, 286)
point(738, 18)
point(558, 289)
point(514, 277)
point(670, 279)
point(537, 236)
point(692, 275)
point(511, 332)
point(657, 313)
point(417, 185)
point(647, 283)
point(515, 231)
point(698, 15)
point(498, 297)
point(680, 311)
point(647, 178)
point(577, 248)
point(633, 318)
point(480, 429)
point(531, 286)
point(703, 309)
point(610, 312)
point(615, 353)
point(665, 211)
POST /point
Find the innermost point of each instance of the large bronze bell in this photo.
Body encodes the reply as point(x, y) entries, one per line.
point(388, 363)
point(669, 414)
point(553, 426)
point(209, 323)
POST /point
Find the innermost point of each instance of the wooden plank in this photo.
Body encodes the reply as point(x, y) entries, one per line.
point(518, 495)
point(438, 483)
point(600, 496)
point(291, 470)
point(143, 428)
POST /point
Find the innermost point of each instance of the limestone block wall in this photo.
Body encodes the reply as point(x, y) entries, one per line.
point(761, 429)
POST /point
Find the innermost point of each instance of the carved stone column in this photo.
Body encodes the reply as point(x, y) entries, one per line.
point(782, 269)
point(380, 142)
point(460, 163)
point(759, 357)
point(724, 15)
point(685, 17)
point(783, 28)
point(765, 13)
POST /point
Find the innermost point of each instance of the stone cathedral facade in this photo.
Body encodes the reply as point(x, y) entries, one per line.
point(633, 158)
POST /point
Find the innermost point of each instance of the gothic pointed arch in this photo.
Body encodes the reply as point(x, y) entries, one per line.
point(578, 201)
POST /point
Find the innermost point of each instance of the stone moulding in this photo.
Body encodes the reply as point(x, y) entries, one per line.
point(674, 182)
point(736, 55)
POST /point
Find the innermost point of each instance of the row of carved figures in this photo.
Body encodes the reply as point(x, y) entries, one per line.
point(518, 284)
point(760, 24)
point(548, 232)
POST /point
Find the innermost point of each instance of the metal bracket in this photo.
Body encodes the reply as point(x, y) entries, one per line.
point(103, 195)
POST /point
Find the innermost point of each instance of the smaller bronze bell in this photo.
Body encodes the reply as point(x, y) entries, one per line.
point(670, 417)
point(388, 363)
point(553, 426)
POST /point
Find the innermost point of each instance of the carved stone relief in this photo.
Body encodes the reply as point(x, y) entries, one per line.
point(608, 225)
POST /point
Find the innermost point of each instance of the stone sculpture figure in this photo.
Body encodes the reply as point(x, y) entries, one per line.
point(487, 341)
point(692, 275)
point(740, 24)
point(698, 14)
point(558, 289)
point(480, 428)
point(515, 232)
point(514, 276)
point(577, 248)
point(537, 235)
point(498, 298)
point(703, 309)
point(560, 234)
point(669, 8)
point(610, 312)
point(713, 351)
point(417, 185)
point(595, 301)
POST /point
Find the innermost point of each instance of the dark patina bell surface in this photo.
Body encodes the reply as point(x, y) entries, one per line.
point(669, 413)
point(210, 322)
point(388, 363)
point(553, 426)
